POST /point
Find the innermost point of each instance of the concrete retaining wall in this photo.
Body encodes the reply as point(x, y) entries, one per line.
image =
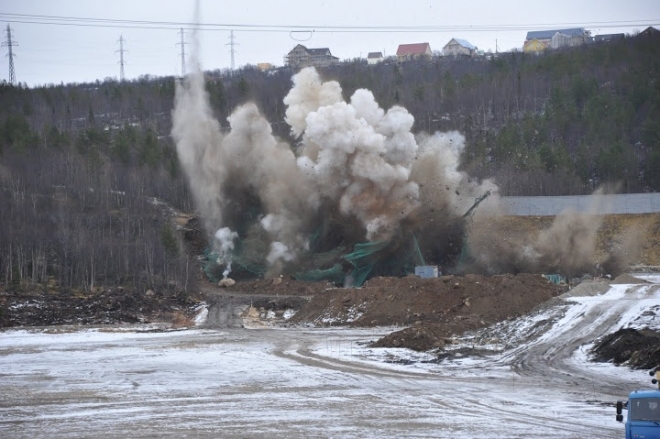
point(602, 204)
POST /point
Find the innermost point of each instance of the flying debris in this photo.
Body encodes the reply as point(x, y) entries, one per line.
point(361, 189)
point(360, 195)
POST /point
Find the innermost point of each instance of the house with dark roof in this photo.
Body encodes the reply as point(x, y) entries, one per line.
point(459, 47)
point(649, 32)
point(557, 38)
point(409, 52)
point(609, 37)
point(301, 56)
point(374, 57)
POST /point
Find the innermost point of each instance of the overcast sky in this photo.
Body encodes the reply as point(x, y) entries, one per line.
point(81, 50)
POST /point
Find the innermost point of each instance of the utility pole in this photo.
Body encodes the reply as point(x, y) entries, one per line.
point(121, 57)
point(231, 45)
point(10, 44)
point(183, 52)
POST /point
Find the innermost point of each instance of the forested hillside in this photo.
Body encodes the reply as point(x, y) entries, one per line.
point(85, 168)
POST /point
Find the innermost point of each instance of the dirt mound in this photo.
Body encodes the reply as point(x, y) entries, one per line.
point(588, 288)
point(628, 279)
point(279, 286)
point(436, 308)
point(638, 349)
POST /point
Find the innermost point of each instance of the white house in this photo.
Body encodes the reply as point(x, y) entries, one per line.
point(459, 47)
point(374, 57)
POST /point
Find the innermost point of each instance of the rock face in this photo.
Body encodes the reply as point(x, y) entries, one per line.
point(229, 310)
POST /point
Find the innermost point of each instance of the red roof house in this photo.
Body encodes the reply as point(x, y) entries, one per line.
point(407, 52)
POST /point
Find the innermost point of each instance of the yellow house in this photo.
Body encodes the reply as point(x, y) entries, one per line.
point(534, 46)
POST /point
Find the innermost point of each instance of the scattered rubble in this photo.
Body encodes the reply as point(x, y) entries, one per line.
point(109, 306)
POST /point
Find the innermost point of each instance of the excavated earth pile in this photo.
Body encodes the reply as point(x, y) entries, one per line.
point(637, 349)
point(433, 308)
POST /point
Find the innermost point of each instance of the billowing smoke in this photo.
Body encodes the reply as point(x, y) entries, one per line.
point(358, 156)
point(358, 174)
point(226, 239)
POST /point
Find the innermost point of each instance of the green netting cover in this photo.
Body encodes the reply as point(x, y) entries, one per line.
point(214, 271)
point(378, 258)
point(383, 258)
point(333, 274)
point(555, 278)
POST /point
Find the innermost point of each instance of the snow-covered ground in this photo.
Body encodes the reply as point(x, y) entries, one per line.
point(533, 379)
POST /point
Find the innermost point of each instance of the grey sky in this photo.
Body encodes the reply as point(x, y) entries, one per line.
point(50, 53)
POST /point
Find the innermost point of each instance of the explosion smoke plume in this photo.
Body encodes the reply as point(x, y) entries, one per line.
point(359, 174)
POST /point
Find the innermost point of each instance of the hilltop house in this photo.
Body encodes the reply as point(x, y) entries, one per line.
point(459, 47)
point(408, 52)
point(534, 46)
point(374, 57)
point(263, 66)
point(649, 32)
point(609, 37)
point(558, 37)
point(301, 56)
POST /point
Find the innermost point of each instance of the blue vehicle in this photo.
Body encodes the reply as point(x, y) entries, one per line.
point(643, 412)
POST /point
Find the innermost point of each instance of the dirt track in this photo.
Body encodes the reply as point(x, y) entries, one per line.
point(549, 360)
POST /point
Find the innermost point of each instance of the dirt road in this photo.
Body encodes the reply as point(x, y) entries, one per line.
point(548, 357)
point(262, 383)
point(117, 382)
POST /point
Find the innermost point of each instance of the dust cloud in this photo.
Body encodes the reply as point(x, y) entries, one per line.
point(358, 174)
point(568, 246)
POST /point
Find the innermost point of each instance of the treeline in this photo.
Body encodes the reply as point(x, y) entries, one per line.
point(71, 222)
point(563, 122)
point(86, 196)
point(80, 164)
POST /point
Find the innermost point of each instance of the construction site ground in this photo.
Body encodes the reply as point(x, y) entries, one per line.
point(431, 312)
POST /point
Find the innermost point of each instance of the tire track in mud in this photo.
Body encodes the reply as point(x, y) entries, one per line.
point(547, 357)
point(544, 360)
point(459, 395)
point(300, 351)
point(571, 426)
point(458, 398)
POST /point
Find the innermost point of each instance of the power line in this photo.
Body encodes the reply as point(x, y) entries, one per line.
point(183, 52)
point(335, 29)
point(147, 24)
point(10, 44)
point(121, 57)
point(231, 45)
